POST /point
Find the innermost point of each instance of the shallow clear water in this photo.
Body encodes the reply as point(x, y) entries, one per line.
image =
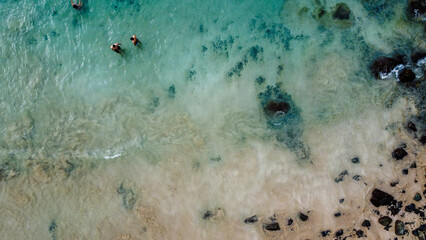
point(178, 123)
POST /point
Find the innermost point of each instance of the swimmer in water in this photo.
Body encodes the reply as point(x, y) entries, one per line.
point(116, 48)
point(135, 41)
point(76, 6)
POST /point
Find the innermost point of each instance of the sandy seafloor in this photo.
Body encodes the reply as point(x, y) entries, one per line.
point(170, 140)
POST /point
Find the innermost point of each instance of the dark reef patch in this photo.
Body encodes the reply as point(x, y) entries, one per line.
point(283, 115)
point(381, 10)
point(272, 226)
point(223, 46)
point(172, 91)
point(128, 197)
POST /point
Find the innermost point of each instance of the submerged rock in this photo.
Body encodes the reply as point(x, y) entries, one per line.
point(128, 196)
point(384, 65)
point(341, 11)
point(399, 153)
point(214, 215)
point(406, 75)
point(273, 108)
point(359, 233)
point(417, 56)
point(289, 222)
point(423, 139)
point(380, 198)
point(341, 176)
point(272, 226)
point(412, 126)
point(385, 221)
point(355, 160)
point(251, 219)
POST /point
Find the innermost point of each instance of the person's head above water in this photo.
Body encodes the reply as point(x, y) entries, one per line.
point(76, 6)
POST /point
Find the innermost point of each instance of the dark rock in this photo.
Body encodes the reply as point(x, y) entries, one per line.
point(359, 233)
point(413, 165)
point(341, 12)
point(399, 228)
point(338, 214)
point(325, 233)
point(417, 197)
point(393, 184)
point(339, 233)
point(409, 208)
point(204, 49)
point(251, 219)
point(395, 207)
point(412, 126)
point(417, 56)
point(384, 65)
point(415, 8)
point(380, 198)
point(255, 53)
point(385, 221)
point(273, 227)
point(303, 217)
point(341, 200)
point(356, 177)
point(355, 160)
point(406, 75)
point(405, 171)
point(366, 223)
point(423, 139)
point(341, 176)
point(289, 222)
point(399, 153)
point(273, 108)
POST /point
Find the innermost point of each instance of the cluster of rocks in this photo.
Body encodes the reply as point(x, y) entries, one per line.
point(380, 198)
point(405, 71)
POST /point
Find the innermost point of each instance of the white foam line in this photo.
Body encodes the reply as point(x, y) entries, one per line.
point(113, 156)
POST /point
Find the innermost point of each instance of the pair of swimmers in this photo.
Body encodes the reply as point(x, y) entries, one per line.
point(116, 46)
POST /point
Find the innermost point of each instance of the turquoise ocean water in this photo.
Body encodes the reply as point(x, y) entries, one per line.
point(95, 145)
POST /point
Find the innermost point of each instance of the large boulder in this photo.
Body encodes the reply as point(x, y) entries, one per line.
point(380, 198)
point(273, 108)
point(406, 75)
point(416, 8)
point(384, 65)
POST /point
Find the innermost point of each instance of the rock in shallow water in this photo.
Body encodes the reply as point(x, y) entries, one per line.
point(273, 108)
point(416, 8)
point(341, 12)
point(406, 75)
point(418, 56)
point(412, 126)
point(380, 198)
point(384, 65)
point(399, 153)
